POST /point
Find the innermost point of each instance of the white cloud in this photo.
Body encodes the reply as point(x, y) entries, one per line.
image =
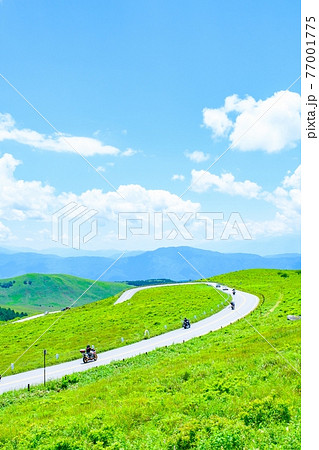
point(225, 183)
point(271, 125)
point(136, 199)
point(32, 201)
point(294, 180)
point(197, 156)
point(178, 177)
point(217, 120)
point(21, 200)
point(100, 169)
point(58, 143)
point(285, 198)
point(129, 152)
point(278, 226)
point(5, 232)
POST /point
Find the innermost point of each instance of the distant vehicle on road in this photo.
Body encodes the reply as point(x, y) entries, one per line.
point(218, 285)
point(225, 288)
point(232, 305)
point(64, 309)
point(234, 291)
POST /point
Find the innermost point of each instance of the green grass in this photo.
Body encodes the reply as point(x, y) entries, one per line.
point(226, 390)
point(53, 292)
point(104, 324)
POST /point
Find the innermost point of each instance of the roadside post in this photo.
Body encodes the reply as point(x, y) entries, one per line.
point(44, 355)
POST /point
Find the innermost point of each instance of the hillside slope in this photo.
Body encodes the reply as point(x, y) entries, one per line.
point(227, 390)
point(38, 292)
point(104, 324)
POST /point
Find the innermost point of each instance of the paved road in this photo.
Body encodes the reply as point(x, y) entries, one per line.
point(130, 292)
point(35, 317)
point(245, 303)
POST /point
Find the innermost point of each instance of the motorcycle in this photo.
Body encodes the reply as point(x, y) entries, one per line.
point(232, 305)
point(186, 324)
point(234, 292)
point(92, 356)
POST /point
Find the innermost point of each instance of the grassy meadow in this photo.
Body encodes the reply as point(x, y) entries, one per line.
point(34, 293)
point(104, 324)
point(227, 390)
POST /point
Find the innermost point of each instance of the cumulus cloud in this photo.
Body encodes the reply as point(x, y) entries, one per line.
point(293, 180)
point(178, 177)
point(197, 156)
point(5, 232)
point(271, 125)
point(57, 143)
point(285, 198)
point(21, 200)
point(225, 183)
point(217, 120)
point(136, 198)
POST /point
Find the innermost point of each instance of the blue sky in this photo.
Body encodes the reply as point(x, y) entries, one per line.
point(136, 78)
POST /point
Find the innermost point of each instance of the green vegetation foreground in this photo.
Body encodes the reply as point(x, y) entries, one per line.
point(227, 390)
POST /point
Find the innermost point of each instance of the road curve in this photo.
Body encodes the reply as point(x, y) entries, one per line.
point(126, 295)
point(245, 303)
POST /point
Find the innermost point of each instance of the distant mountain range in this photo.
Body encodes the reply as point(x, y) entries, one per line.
point(161, 263)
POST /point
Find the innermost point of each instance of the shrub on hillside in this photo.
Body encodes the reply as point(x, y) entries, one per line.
point(7, 284)
point(69, 379)
point(268, 409)
point(213, 433)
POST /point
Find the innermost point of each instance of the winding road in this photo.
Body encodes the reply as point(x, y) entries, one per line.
point(245, 303)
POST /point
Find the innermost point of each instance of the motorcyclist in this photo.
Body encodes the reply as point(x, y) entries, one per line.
point(88, 350)
point(186, 322)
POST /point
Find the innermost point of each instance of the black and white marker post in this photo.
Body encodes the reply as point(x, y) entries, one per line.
point(44, 355)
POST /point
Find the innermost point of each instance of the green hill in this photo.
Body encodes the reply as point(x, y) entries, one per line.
point(36, 292)
point(104, 324)
point(227, 390)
